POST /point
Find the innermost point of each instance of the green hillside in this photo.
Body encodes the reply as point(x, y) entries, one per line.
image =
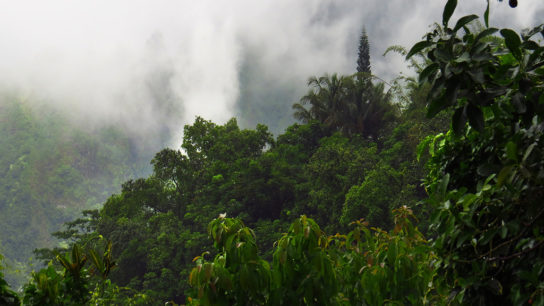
point(49, 172)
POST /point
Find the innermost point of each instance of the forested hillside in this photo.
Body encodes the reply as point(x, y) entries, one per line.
point(49, 172)
point(424, 191)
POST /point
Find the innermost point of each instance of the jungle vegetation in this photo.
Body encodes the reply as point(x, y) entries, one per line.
point(428, 192)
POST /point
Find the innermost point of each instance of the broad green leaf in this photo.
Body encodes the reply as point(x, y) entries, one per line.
point(442, 52)
point(427, 72)
point(485, 33)
point(423, 145)
point(418, 47)
point(448, 11)
point(512, 41)
point(436, 106)
point(463, 21)
point(530, 45)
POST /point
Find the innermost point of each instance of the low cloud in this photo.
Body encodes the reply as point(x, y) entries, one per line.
point(154, 66)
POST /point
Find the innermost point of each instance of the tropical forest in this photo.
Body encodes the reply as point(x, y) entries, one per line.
point(423, 190)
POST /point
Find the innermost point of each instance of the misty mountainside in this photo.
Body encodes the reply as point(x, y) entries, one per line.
point(50, 171)
point(425, 190)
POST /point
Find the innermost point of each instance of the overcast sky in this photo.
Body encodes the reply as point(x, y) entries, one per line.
point(117, 60)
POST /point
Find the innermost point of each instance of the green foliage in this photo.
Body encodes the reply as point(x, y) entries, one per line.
point(49, 287)
point(486, 173)
point(7, 296)
point(80, 277)
point(395, 267)
point(366, 266)
point(374, 198)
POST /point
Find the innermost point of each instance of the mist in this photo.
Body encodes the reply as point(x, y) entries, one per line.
point(152, 66)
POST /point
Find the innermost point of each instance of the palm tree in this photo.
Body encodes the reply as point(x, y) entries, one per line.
point(327, 99)
point(370, 108)
point(351, 104)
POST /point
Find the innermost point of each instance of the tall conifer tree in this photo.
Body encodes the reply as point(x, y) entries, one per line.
point(363, 62)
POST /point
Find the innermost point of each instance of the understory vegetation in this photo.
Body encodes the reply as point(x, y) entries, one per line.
point(428, 192)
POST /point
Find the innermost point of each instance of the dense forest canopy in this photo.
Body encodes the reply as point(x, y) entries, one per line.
point(424, 191)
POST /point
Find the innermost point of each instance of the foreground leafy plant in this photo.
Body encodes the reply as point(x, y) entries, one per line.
point(366, 266)
point(80, 281)
point(487, 173)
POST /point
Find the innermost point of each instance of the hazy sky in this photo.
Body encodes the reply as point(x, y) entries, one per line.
point(151, 63)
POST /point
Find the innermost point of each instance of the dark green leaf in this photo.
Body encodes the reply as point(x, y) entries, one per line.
point(459, 120)
point(427, 72)
point(448, 11)
point(452, 90)
point(512, 41)
point(512, 151)
point(442, 52)
point(418, 47)
point(485, 33)
point(436, 106)
point(486, 15)
point(530, 45)
point(475, 117)
point(463, 21)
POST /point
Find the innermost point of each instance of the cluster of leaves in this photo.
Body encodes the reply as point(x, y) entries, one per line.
point(366, 266)
point(486, 175)
point(79, 277)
